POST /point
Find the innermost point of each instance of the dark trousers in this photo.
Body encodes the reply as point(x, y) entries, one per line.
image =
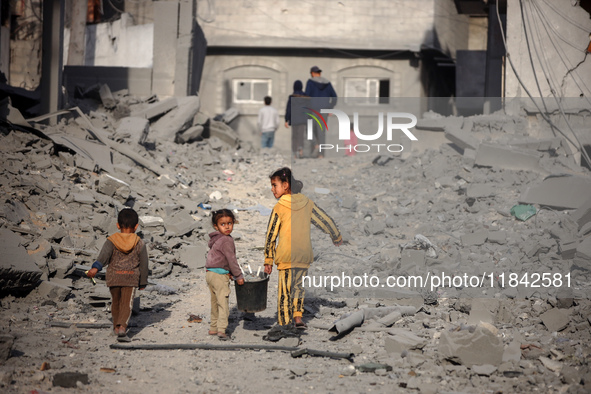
point(298, 133)
point(121, 305)
point(319, 135)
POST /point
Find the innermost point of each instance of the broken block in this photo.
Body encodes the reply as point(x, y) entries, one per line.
point(555, 319)
point(483, 310)
point(497, 237)
point(582, 257)
point(477, 348)
point(489, 155)
point(107, 97)
point(137, 128)
point(582, 215)
point(178, 120)
point(156, 109)
point(194, 256)
point(194, 133)
point(109, 185)
point(474, 239)
point(52, 290)
point(559, 192)
point(481, 190)
point(462, 139)
point(18, 271)
point(403, 340)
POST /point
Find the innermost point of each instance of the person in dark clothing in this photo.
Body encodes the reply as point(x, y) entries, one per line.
point(296, 118)
point(323, 97)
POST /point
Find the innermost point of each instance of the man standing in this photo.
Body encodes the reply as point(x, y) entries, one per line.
point(268, 123)
point(323, 97)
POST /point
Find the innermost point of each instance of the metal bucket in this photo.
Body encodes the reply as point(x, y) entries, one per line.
point(252, 296)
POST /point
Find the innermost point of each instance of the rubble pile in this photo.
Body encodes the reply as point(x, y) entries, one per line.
point(448, 212)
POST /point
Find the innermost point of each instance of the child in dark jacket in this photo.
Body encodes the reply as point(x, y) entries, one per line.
point(221, 262)
point(126, 258)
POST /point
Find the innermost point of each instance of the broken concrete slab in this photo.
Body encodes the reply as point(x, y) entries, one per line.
point(136, 128)
point(151, 221)
point(194, 133)
point(462, 139)
point(489, 155)
point(177, 120)
point(475, 239)
point(224, 133)
point(559, 192)
point(159, 108)
point(582, 215)
point(6, 343)
point(108, 185)
point(107, 98)
point(84, 197)
point(484, 370)
point(497, 237)
point(194, 256)
point(401, 340)
point(483, 310)
point(18, 271)
point(477, 348)
point(51, 291)
point(481, 190)
point(512, 352)
point(15, 211)
point(440, 123)
point(582, 258)
point(555, 319)
point(180, 224)
point(96, 154)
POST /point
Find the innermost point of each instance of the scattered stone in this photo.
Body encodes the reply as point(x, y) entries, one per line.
point(478, 348)
point(484, 370)
point(403, 340)
point(555, 319)
point(18, 271)
point(559, 192)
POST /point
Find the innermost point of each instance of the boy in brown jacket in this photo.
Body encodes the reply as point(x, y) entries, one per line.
point(126, 258)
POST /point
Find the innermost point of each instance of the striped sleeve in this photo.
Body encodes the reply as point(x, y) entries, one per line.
point(325, 223)
point(271, 237)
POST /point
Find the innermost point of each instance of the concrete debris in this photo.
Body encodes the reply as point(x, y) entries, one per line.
point(559, 192)
point(476, 348)
point(484, 370)
point(555, 319)
point(177, 120)
point(107, 97)
point(51, 291)
point(157, 109)
point(462, 139)
point(18, 271)
point(135, 128)
point(193, 256)
point(401, 340)
point(489, 155)
point(582, 215)
point(582, 258)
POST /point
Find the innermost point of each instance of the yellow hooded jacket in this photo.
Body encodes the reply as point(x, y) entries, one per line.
point(288, 243)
